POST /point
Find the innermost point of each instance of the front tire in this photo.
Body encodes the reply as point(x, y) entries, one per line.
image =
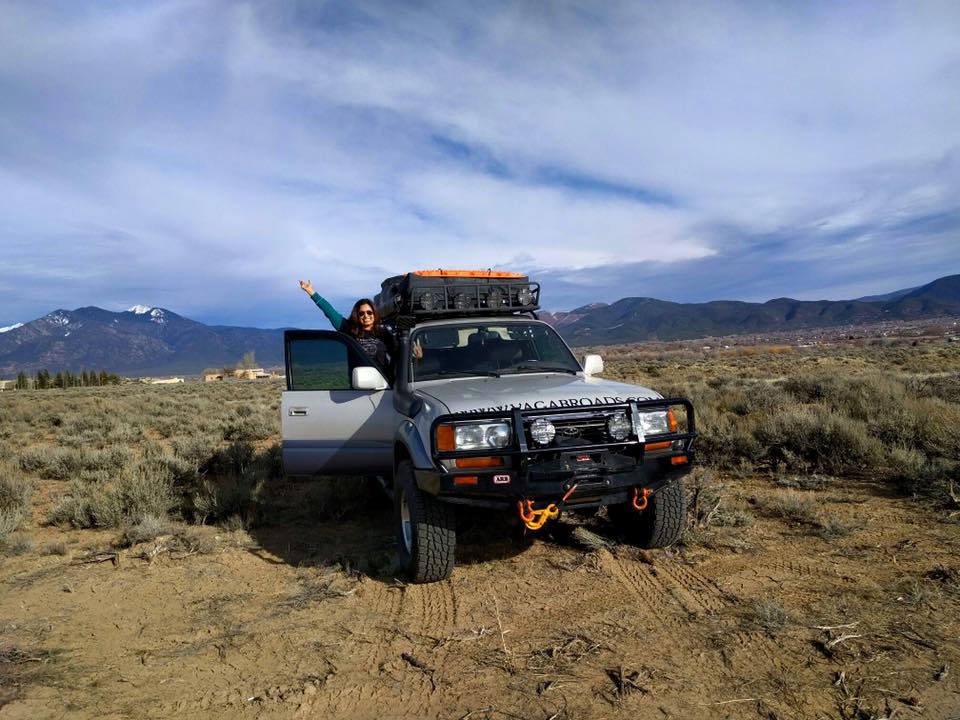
point(426, 529)
point(660, 525)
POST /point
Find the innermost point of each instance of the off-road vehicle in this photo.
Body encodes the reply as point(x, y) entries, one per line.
point(483, 405)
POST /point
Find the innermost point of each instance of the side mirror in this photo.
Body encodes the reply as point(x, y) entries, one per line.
point(368, 378)
point(592, 364)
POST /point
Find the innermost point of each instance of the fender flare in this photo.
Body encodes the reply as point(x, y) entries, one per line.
point(409, 438)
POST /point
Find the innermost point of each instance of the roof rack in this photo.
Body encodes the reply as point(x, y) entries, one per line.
point(449, 293)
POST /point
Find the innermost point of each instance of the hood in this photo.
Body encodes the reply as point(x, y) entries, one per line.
point(533, 391)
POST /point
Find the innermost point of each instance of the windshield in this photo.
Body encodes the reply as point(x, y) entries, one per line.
point(494, 348)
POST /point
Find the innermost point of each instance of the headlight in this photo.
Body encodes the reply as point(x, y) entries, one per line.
point(473, 436)
point(655, 423)
point(618, 426)
point(542, 431)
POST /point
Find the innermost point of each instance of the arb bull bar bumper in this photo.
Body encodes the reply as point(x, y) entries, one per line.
point(586, 474)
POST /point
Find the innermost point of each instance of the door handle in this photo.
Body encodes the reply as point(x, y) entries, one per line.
point(298, 411)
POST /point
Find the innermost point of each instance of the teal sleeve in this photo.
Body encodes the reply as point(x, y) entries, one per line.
point(335, 318)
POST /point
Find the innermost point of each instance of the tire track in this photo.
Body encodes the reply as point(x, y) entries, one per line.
point(352, 691)
point(700, 595)
point(430, 609)
point(646, 585)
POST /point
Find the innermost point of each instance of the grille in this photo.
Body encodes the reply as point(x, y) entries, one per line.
point(581, 432)
point(573, 430)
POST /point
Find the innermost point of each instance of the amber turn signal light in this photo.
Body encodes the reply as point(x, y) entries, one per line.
point(445, 441)
point(678, 460)
point(479, 462)
point(658, 446)
point(671, 420)
point(466, 480)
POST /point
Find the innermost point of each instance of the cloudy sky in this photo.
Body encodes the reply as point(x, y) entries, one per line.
point(203, 156)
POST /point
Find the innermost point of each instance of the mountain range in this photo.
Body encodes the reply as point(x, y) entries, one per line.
point(139, 341)
point(641, 318)
point(156, 341)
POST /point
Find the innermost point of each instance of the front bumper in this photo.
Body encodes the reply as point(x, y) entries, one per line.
point(598, 474)
point(601, 481)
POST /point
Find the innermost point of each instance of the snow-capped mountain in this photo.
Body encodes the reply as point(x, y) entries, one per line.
point(8, 328)
point(143, 340)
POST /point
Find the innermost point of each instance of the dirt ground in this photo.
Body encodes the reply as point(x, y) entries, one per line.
point(762, 617)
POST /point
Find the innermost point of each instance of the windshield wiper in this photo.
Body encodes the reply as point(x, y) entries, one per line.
point(536, 367)
point(481, 373)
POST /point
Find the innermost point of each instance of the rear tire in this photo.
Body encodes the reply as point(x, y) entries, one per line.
point(426, 529)
point(660, 525)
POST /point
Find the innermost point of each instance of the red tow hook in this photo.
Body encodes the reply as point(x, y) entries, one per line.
point(639, 500)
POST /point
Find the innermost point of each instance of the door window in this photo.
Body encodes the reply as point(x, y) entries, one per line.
point(319, 364)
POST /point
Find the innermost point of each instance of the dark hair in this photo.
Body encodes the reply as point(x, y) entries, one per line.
point(354, 320)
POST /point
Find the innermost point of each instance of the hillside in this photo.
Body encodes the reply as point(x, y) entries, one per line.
point(640, 318)
point(139, 341)
point(156, 341)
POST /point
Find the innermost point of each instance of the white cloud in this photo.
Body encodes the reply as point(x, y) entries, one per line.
point(186, 150)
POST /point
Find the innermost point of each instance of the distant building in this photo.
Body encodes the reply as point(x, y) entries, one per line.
point(212, 377)
point(250, 374)
point(7, 385)
point(162, 381)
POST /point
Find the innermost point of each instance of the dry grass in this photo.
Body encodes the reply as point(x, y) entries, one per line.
point(767, 615)
point(889, 413)
point(15, 493)
point(206, 452)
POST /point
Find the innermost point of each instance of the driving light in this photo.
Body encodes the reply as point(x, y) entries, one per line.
point(430, 301)
point(618, 426)
point(542, 431)
point(462, 302)
point(654, 423)
point(524, 297)
point(473, 436)
point(495, 298)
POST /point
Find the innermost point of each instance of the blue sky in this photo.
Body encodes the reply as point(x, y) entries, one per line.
point(203, 156)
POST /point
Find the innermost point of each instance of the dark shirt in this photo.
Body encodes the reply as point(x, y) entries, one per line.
point(377, 345)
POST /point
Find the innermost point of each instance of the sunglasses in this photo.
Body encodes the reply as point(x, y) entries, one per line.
point(362, 313)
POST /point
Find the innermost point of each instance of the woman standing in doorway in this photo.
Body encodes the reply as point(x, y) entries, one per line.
point(363, 325)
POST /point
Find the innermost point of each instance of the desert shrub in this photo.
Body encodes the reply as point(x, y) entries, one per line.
point(791, 506)
point(146, 489)
point(944, 387)
point(728, 443)
point(55, 548)
point(767, 615)
point(64, 463)
point(148, 527)
point(15, 494)
point(86, 505)
point(233, 459)
point(816, 439)
point(232, 499)
point(757, 398)
point(248, 429)
point(195, 449)
point(18, 544)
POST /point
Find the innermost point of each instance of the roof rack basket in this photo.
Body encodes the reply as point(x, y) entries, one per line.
point(451, 293)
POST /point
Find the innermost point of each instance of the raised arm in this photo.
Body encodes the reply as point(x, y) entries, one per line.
point(335, 318)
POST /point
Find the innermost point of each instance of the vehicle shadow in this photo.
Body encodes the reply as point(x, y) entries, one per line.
point(348, 523)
